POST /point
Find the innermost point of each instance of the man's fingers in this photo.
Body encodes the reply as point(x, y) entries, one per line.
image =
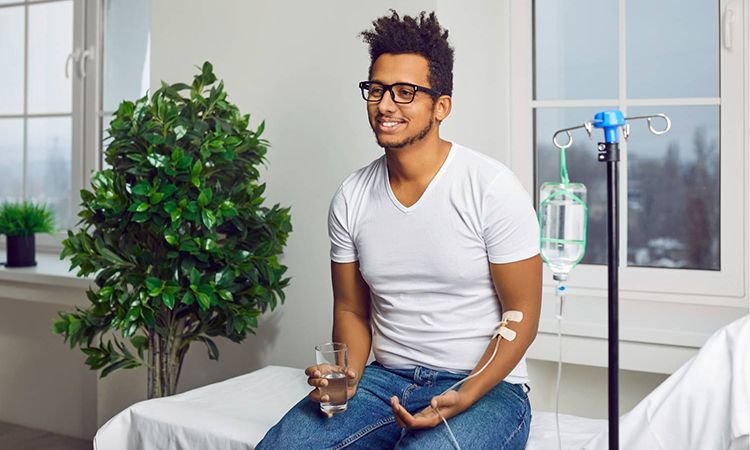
point(449, 398)
point(313, 371)
point(315, 396)
point(396, 412)
point(317, 382)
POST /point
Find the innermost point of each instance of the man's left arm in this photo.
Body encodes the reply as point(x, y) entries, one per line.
point(519, 287)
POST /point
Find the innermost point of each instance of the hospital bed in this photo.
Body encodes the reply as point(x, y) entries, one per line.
point(685, 412)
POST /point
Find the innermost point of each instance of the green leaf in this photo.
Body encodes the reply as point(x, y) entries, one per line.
point(139, 341)
point(156, 197)
point(208, 218)
point(188, 298)
point(226, 295)
point(213, 350)
point(142, 188)
point(168, 190)
point(60, 326)
point(175, 215)
point(170, 206)
point(205, 197)
point(209, 245)
point(141, 207)
point(204, 300)
point(180, 131)
point(184, 162)
point(168, 300)
point(157, 160)
point(195, 276)
point(171, 238)
point(192, 207)
point(189, 246)
point(74, 325)
point(112, 367)
point(154, 286)
point(195, 173)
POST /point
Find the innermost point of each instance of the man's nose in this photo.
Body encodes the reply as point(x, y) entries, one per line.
point(386, 103)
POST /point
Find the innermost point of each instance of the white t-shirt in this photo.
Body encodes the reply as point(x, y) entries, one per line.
point(433, 302)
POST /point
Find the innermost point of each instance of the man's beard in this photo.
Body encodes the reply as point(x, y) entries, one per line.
point(409, 140)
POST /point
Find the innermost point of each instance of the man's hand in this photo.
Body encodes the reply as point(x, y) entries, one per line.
point(315, 378)
point(449, 404)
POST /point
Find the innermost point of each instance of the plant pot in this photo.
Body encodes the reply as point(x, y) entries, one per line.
point(21, 251)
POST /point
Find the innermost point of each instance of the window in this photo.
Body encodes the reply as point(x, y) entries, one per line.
point(682, 201)
point(61, 84)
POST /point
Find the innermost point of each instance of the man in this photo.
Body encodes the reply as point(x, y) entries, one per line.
point(430, 243)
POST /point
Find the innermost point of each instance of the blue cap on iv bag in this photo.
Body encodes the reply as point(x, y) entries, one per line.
point(610, 121)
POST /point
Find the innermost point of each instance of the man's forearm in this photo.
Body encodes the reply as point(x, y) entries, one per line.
point(508, 355)
point(353, 330)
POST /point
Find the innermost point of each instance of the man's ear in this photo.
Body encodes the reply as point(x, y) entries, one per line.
point(442, 107)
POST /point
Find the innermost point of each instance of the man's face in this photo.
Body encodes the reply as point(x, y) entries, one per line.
point(398, 125)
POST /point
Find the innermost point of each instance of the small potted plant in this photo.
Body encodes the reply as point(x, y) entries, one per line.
point(19, 222)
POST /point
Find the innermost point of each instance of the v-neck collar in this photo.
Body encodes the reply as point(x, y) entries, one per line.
point(432, 182)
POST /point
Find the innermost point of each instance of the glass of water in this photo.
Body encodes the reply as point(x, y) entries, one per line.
point(333, 361)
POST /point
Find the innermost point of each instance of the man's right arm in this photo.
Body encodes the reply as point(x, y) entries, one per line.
point(351, 314)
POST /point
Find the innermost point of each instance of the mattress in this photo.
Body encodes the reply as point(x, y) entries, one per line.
point(237, 413)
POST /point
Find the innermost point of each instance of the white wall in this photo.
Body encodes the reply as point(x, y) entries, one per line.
point(43, 383)
point(296, 65)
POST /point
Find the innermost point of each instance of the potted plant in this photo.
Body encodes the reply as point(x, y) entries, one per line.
point(176, 233)
point(19, 222)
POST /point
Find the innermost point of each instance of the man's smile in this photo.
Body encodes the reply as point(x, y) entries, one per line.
point(389, 125)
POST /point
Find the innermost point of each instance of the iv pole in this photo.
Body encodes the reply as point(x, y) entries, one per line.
point(609, 152)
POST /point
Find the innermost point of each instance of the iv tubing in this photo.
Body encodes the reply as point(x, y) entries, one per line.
point(559, 316)
point(506, 317)
point(453, 437)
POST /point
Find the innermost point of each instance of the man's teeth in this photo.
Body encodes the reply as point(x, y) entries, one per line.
point(390, 124)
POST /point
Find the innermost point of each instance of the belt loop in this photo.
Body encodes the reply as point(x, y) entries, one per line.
point(416, 374)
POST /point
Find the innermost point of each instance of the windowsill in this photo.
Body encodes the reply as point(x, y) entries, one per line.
point(50, 270)
point(654, 336)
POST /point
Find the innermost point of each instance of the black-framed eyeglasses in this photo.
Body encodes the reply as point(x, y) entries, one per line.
point(373, 91)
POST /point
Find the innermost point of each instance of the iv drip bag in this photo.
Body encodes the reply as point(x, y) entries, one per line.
point(563, 216)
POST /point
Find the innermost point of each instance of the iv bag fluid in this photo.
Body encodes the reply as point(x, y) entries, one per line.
point(563, 217)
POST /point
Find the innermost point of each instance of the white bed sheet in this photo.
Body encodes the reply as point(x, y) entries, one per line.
point(703, 405)
point(235, 414)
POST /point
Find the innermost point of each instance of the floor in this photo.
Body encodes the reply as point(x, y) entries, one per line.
point(14, 437)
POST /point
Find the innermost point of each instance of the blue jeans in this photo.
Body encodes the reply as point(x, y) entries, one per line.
point(499, 420)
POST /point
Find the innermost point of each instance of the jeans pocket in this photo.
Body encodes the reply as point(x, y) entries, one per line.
point(518, 391)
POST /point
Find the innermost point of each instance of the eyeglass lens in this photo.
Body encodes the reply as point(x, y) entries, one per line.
point(403, 93)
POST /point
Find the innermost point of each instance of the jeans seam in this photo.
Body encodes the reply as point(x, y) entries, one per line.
point(361, 433)
point(512, 435)
point(405, 394)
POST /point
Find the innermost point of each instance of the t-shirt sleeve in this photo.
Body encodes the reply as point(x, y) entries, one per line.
point(509, 222)
point(342, 244)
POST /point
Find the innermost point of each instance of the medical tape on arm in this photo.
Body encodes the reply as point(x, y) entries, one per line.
point(502, 329)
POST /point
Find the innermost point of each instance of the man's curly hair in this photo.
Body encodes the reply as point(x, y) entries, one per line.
point(421, 35)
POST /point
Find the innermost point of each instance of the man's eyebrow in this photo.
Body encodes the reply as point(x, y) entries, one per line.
point(397, 82)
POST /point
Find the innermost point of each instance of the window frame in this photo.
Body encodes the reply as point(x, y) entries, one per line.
point(727, 287)
point(86, 105)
